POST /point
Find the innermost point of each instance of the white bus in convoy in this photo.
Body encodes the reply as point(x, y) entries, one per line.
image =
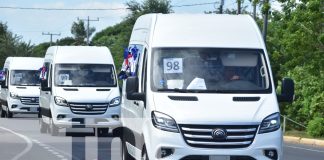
point(202, 89)
point(20, 86)
point(79, 89)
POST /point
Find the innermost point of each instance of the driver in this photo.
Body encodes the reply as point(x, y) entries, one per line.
point(230, 74)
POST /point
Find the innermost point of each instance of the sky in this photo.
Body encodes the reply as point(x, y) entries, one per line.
point(30, 24)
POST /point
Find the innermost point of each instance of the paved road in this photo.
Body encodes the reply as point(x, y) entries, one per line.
point(20, 139)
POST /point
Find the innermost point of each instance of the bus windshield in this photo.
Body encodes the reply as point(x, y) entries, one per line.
point(24, 78)
point(85, 75)
point(210, 70)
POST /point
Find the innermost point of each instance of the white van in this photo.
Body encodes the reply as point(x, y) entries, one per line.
point(203, 89)
point(79, 89)
point(20, 86)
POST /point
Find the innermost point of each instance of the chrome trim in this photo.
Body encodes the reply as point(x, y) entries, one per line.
point(196, 129)
point(241, 130)
point(220, 143)
point(210, 137)
point(240, 137)
point(210, 130)
point(81, 108)
point(28, 100)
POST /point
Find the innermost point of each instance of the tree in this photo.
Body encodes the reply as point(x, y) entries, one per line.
point(296, 47)
point(11, 44)
point(40, 49)
point(116, 37)
point(254, 4)
point(156, 6)
point(79, 32)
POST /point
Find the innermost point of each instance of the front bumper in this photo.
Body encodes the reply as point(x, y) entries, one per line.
point(63, 117)
point(15, 106)
point(158, 139)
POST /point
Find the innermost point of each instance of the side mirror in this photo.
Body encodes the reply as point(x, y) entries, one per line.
point(287, 91)
point(132, 89)
point(3, 84)
point(44, 86)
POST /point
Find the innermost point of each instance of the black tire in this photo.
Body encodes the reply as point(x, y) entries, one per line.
point(54, 130)
point(144, 154)
point(118, 132)
point(125, 155)
point(2, 114)
point(8, 113)
point(102, 132)
point(39, 115)
point(43, 127)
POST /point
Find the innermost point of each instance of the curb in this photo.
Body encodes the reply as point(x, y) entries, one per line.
point(301, 140)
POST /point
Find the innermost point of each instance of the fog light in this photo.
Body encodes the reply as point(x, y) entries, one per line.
point(60, 116)
point(271, 153)
point(14, 106)
point(115, 117)
point(165, 152)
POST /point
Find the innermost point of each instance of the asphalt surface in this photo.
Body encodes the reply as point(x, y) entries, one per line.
point(20, 139)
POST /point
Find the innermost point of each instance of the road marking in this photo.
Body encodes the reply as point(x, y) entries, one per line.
point(313, 150)
point(28, 141)
point(51, 149)
point(60, 156)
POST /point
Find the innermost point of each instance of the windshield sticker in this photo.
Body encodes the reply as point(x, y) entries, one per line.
point(63, 78)
point(175, 83)
point(18, 77)
point(172, 65)
point(197, 83)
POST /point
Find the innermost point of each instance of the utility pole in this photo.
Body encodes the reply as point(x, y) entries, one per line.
point(266, 8)
point(88, 27)
point(221, 7)
point(254, 3)
point(51, 35)
point(238, 6)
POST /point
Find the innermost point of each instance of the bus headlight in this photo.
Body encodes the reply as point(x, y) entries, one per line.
point(270, 123)
point(164, 122)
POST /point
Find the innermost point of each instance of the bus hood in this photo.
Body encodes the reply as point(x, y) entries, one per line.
point(25, 91)
point(216, 108)
point(86, 94)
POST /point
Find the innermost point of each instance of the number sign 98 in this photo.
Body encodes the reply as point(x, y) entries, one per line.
point(172, 65)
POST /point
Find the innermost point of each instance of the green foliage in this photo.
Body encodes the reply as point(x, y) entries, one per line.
point(40, 49)
point(79, 32)
point(11, 44)
point(295, 44)
point(67, 41)
point(116, 38)
point(315, 127)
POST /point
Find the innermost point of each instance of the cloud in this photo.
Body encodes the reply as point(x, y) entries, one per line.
point(31, 23)
point(276, 6)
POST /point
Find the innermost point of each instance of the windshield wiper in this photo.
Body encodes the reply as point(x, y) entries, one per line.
point(173, 90)
point(191, 90)
point(187, 90)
